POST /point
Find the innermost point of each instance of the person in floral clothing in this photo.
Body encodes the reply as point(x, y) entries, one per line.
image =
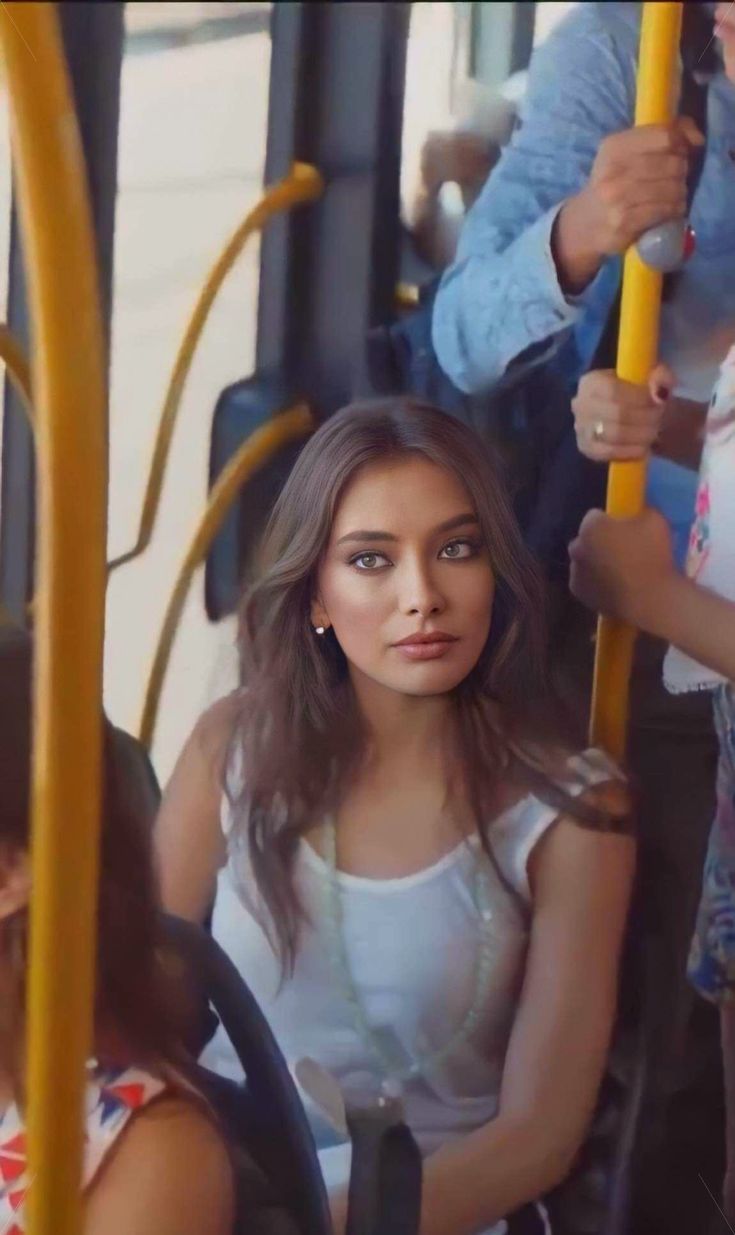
point(625, 569)
point(155, 1162)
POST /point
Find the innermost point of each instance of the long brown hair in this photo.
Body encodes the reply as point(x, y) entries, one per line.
point(137, 1015)
point(298, 736)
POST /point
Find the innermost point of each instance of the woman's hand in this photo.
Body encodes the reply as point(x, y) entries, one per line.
point(638, 180)
point(616, 420)
point(725, 30)
point(624, 568)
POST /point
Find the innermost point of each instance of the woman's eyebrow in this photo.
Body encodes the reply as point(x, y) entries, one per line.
point(464, 520)
point(366, 535)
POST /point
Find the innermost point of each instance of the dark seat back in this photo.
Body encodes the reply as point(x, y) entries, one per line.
point(260, 1207)
point(272, 1122)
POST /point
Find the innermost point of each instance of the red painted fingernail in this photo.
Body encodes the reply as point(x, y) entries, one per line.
point(662, 393)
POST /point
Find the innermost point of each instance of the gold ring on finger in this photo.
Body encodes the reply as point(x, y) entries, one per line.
point(598, 431)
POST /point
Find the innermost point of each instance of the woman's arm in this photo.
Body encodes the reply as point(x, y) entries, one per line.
point(189, 843)
point(700, 623)
point(503, 294)
point(170, 1175)
point(624, 568)
point(559, 1043)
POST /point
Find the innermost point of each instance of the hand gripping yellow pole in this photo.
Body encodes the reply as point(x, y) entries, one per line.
point(69, 394)
point(637, 354)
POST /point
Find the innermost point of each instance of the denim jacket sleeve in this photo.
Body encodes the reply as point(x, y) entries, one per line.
point(502, 295)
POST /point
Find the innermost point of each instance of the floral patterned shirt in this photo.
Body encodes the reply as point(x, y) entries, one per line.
point(711, 557)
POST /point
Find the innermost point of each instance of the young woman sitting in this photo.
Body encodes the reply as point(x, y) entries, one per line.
point(424, 889)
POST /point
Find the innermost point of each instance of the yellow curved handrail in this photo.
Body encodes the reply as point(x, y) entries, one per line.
point(254, 453)
point(69, 386)
point(637, 354)
point(17, 366)
point(303, 184)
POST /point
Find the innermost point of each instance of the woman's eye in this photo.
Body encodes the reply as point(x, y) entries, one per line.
point(369, 561)
point(459, 549)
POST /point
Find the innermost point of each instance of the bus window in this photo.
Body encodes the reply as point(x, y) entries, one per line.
point(193, 124)
point(456, 118)
point(427, 100)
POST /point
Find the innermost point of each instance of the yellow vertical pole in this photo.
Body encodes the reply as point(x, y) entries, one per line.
point(637, 354)
point(69, 394)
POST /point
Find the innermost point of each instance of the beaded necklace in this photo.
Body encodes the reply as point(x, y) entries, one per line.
point(396, 1072)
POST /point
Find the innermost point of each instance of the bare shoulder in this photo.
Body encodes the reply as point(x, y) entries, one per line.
point(190, 843)
point(608, 793)
point(203, 759)
point(170, 1174)
point(588, 865)
point(606, 803)
point(588, 857)
point(214, 731)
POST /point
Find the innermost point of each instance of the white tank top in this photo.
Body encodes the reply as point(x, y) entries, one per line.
point(412, 947)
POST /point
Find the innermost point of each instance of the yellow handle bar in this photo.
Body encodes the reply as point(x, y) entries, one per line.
point(70, 398)
point(303, 184)
point(254, 453)
point(637, 355)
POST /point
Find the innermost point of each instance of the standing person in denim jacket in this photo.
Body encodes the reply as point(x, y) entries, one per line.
point(539, 257)
point(538, 263)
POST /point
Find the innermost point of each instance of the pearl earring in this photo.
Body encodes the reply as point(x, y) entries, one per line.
point(319, 630)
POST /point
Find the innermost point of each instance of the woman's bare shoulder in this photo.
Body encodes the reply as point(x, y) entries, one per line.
point(190, 842)
point(170, 1174)
point(216, 727)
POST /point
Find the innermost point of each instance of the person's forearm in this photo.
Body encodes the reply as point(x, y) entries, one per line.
point(576, 257)
point(471, 1184)
point(493, 306)
point(693, 619)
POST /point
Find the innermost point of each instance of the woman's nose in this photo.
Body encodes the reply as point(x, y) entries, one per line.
point(420, 594)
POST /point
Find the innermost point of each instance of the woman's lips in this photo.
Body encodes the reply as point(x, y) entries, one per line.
point(426, 647)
